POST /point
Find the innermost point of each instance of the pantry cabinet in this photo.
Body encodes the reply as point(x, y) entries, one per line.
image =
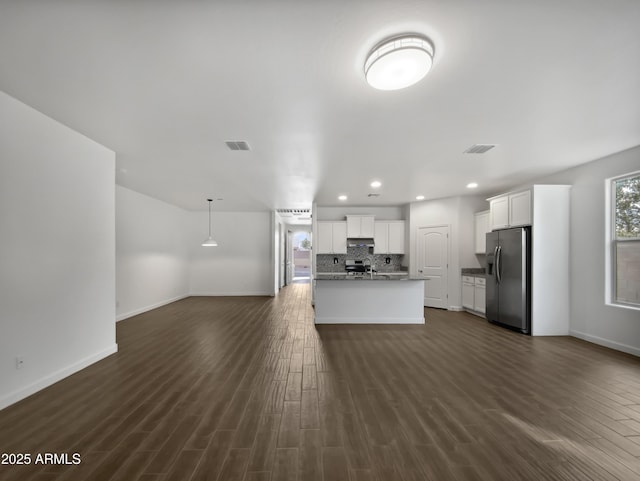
point(546, 209)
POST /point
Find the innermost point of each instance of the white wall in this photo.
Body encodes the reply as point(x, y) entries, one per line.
point(277, 252)
point(151, 254)
point(241, 265)
point(457, 213)
point(380, 213)
point(591, 319)
point(467, 244)
point(57, 251)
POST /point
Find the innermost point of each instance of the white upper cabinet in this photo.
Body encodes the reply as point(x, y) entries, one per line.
point(381, 238)
point(481, 228)
point(339, 237)
point(510, 210)
point(360, 226)
point(389, 237)
point(499, 212)
point(332, 238)
point(396, 237)
point(324, 242)
point(520, 209)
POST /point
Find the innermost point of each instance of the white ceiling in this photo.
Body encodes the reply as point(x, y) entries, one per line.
point(164, 83)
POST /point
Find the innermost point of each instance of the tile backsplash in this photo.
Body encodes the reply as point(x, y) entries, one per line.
point(325, 262)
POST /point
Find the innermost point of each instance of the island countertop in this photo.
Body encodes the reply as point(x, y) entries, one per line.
point(378, 276)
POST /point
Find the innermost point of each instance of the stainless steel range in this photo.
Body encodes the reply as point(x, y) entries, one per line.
point(358, 268)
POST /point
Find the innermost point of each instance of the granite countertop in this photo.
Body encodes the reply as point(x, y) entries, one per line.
point(473, 271)
point(379, 276)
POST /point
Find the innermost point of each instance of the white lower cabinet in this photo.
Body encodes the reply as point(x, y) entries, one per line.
point(480, 296)
point(474, 294)
point(468, 293)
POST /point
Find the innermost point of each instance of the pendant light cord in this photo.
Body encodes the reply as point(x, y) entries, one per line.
point(209, 218)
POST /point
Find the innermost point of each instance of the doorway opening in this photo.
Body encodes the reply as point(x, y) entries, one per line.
point(300, 256)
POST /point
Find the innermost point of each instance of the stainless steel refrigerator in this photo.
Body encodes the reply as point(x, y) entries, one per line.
point(508, 291)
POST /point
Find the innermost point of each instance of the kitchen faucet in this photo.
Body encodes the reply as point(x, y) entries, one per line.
point(364, 263)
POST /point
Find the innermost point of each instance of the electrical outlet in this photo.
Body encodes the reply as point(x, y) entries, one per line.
point(19, 362)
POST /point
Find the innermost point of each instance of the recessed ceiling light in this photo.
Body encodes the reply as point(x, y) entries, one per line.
point(342, 197)
point(375, 184)
point(472, 185)
point(420, 197)
point(399, 62)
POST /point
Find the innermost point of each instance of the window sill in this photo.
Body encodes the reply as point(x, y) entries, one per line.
point(631, 307)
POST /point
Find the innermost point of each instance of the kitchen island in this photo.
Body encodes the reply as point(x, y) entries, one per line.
point(378, 299)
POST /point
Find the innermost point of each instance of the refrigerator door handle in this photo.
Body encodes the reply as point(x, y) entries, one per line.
point(498, 263)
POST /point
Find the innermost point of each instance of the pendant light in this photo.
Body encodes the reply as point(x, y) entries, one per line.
point(209, 242)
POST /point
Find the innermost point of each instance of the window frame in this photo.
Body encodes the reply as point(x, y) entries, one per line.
point(611, 242)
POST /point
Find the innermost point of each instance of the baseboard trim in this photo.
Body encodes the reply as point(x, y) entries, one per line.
point(367, 320)
point(232, 294)
point(54, 377)
point(618, 346)
point(135, 312)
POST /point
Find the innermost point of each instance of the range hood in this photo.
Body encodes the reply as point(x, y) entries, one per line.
point(356, 242)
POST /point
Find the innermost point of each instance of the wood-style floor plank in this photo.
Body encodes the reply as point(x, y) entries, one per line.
point(310, 455)
point(228, 388)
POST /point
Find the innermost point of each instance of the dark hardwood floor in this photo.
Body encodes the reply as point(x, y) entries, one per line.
point(249, 389)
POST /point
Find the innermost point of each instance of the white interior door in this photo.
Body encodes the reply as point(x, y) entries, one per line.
point(433, 264)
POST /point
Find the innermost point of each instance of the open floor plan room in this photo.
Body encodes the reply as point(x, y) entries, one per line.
point(249, 388)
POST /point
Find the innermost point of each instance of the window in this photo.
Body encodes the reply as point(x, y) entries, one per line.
point(625, 240)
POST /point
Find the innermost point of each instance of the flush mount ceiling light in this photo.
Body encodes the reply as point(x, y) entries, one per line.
point(209, 242)
point(399, 62)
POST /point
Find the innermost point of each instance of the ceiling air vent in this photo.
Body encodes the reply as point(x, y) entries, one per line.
point(237, 145)
point(479, 148)
point(373, 195)
point(294, 212)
